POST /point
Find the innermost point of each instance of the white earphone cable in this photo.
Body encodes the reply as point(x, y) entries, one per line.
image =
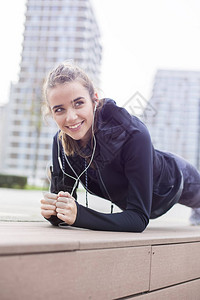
point(91, 159)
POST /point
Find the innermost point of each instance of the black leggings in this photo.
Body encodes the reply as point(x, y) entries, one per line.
point(191, 189)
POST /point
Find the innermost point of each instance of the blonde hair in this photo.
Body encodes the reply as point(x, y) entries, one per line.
point(65, 73)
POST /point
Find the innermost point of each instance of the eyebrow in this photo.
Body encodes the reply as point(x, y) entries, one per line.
point(78, 98)
point(56, 106)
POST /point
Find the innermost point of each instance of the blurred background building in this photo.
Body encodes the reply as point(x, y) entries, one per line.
point(176, 125)
point(2, 132)
point(54, 31)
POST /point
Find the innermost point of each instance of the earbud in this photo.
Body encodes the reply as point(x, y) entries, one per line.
point(95, 106)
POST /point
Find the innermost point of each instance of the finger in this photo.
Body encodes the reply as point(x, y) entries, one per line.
point(63, 199)
point(65, 209)
point(62, 217)
point(67, 212)
point(64, 194)
point(60, 210)
point(67, 219)
point(48, 213)
point(50, 196)
point(48, 207)
point(48, 201)
point(61, 204)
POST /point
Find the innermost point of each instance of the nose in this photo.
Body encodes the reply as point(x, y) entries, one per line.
point(71, 116)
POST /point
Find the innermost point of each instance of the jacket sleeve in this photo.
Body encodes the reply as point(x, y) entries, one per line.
point(138, 169)
point(126, 221)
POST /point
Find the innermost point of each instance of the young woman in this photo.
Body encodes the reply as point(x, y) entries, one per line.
point(111, 154)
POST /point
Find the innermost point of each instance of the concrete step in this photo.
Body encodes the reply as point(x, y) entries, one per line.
point(39, 261)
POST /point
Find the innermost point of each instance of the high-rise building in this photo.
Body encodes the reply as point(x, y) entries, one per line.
point(55, 30)
point(2, 133)
point(176, 125)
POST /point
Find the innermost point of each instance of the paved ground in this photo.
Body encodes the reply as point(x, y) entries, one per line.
point(22, 205)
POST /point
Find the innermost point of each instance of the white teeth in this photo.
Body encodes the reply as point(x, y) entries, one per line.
point(74, 126)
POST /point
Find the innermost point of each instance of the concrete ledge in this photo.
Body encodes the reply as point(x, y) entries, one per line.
point(39, 261)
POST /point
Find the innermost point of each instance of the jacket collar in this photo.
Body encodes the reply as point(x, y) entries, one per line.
point(110, 135)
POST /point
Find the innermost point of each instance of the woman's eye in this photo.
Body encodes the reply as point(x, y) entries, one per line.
point(78, 103)
point(58, 110)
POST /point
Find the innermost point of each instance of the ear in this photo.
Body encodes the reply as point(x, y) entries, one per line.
point(96, 98)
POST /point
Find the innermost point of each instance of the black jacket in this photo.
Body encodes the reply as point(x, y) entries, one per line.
point(127, 170)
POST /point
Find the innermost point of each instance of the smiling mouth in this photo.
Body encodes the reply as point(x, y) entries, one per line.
point(75, 126)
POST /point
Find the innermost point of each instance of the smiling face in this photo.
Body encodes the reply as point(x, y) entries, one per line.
point(72, 109)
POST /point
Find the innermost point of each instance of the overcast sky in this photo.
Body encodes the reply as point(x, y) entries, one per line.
point(138, 37)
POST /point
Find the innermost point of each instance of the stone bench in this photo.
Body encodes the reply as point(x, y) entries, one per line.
point(39, 261)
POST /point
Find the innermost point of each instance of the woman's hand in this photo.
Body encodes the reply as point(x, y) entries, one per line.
point(62, 205)
point(48, 205)
point(66, 208)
